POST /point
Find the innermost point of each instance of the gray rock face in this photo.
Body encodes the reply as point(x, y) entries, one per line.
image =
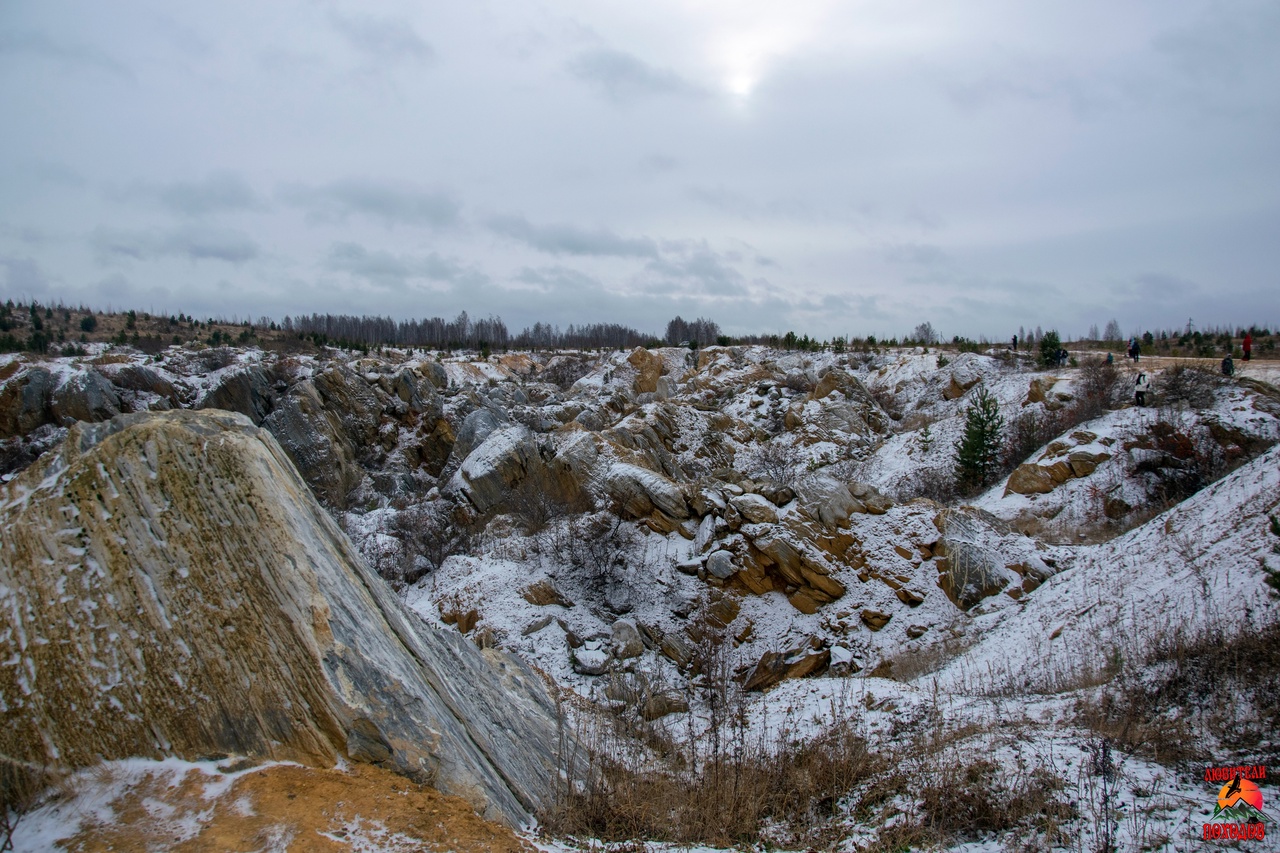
point(245, 391)
point(203, 602)
point(627, 642)
point(827, 500)
point(352, 400)
point(720, 564)
point(639, 491)
point(417, 393)
point(488, 473)
point(476, 427)
point(87, 396)
point(141, 379)
point(755, 509)
point(666, 388)
point(323, 455)
point(24, 402)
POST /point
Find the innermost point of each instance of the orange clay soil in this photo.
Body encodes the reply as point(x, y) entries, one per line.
point(295, 809)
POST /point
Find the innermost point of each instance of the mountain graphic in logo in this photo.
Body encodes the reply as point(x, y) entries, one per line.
point(1240, 812)
point(1240, 801)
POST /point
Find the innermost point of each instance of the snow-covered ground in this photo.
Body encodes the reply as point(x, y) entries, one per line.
point(1079, 587)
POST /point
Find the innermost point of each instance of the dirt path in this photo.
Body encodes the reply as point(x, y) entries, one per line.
point(278, 808)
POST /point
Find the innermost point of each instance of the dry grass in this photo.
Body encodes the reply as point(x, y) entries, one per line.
point(962, 802)
point(1192, 691)
point(750, 794)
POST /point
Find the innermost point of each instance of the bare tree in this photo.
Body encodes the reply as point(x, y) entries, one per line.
point(925, 334)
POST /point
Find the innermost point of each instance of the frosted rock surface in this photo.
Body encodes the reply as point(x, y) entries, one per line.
point(170, 587)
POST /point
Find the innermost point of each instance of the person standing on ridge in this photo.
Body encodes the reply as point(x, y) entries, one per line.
point(1140, 386)
point(1015, 343)
point(1247, 345)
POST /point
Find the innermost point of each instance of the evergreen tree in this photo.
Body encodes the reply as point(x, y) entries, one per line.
point(978, 450)
point(1049, 346)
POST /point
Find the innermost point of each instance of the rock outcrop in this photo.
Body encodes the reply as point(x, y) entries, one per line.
point(171, 587)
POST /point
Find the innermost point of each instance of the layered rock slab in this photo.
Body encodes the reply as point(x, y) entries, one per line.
point(171, 587)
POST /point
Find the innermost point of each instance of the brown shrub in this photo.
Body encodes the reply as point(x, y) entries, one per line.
point(964, 802)
point(748, 794)
point(1192, 689)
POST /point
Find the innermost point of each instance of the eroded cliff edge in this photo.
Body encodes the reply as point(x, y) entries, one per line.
point(170, 586)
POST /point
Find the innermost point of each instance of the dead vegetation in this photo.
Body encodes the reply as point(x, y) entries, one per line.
point(1194, 690)
point(739, 792)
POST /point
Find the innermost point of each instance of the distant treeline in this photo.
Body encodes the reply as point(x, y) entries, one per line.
point(464, 333)
point(35, 327)
point(432, 333)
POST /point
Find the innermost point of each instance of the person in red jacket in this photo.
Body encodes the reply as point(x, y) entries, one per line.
point(1247, 345)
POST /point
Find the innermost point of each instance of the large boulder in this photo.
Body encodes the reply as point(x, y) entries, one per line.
point(24, 402)
point(639, 491)
point(573, 463)
point(648, 367)
point(755, 509)
point(475, 428)
point(827, 500)
point(348, 396)
point(969, 569)
point(417, 393)
point(312, 437)
point(489, 472)
point(202, 602)
point(142, 380)
point(246, 391)
point(1029, 479)
point(86, 396)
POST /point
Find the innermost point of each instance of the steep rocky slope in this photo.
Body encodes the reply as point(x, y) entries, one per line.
point(171, 587)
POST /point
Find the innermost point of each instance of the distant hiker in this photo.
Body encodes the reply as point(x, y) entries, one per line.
point(1015, 343)
point(1140, 386)
point(1111, 359)
point(1247, 345)
point(1134, 349)
point(1062, 358)
point(1228, 366)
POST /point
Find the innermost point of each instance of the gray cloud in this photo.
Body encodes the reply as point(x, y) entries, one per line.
point(381, 38)
point(735, 203)
point(220, 192)
point(73, 55)
point(656, 164)
point(558, 280)
point(1223, 43)
point(921, 254)
point(394, 271)
point(23, 276)
point(1023, 80)
point(624, 78)
point(1163, 286)
point(694, 264)
point(389, 204)
point(193, 243)
point(571, 240)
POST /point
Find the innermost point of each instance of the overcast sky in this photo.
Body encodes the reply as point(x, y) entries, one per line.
point(827, 167)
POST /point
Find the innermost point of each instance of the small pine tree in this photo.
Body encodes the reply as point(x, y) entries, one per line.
point(1049, 346)
point(978, 450)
